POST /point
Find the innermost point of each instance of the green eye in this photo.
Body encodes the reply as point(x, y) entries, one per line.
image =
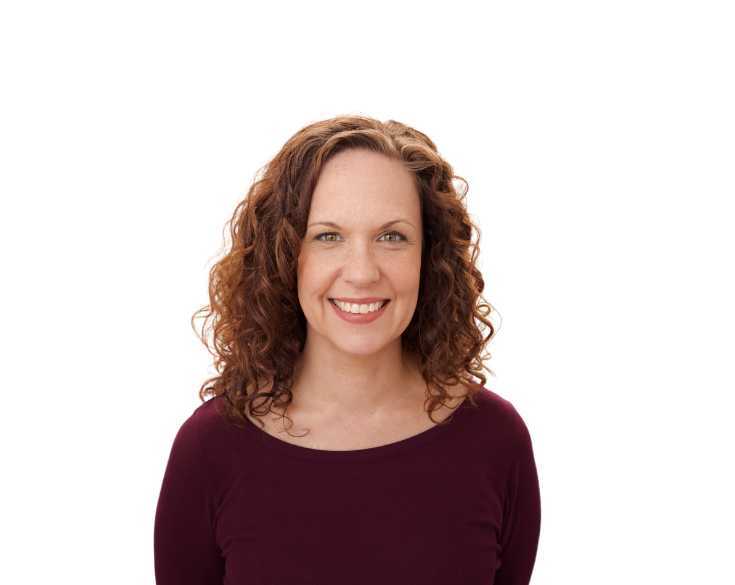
point(401, 237)
point(319, 237)
point(399, 234)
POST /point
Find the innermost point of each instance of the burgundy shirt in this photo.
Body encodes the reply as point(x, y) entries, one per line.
point(453, 505)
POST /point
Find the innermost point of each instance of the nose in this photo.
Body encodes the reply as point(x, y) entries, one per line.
point(360, 267)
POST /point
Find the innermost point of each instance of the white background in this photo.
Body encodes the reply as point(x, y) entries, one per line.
point(598, 142)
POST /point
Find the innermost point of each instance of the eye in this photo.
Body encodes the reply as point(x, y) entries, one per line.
point(399, 234)
point(319, 237)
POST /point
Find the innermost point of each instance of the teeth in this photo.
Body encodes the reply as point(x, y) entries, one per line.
point(358, 308)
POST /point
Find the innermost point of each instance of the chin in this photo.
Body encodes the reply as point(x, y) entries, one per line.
point(360, 347)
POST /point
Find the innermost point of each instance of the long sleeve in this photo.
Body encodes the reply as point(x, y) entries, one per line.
point(521, 517)
point(185, 552)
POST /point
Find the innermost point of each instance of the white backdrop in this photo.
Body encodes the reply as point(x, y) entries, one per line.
point(597, 140)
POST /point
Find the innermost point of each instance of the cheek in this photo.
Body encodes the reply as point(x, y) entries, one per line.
point(312, 276)
point(406, 269)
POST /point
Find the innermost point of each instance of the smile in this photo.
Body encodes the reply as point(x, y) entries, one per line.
point(364, 316)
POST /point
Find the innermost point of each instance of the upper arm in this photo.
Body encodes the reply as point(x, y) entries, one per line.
point(185, 551)
point(521, 516)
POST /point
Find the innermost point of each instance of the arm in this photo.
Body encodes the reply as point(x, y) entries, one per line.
point(184, 548)
point(521, 518)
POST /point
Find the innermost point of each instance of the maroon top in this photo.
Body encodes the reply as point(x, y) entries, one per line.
point(453, 505)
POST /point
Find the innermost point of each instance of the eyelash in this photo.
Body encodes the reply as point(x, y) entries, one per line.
point(403, 238)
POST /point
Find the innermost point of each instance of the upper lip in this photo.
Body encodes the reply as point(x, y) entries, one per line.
point(361, 300)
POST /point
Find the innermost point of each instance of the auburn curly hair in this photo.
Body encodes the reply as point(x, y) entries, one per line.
point(256, 319)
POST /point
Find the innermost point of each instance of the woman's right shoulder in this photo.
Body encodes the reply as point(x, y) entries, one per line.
point(225, 446)
point(202, 425)
point(208, 419)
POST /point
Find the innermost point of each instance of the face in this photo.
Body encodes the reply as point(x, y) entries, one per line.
point(359, 256)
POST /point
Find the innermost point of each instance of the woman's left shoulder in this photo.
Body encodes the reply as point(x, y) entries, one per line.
point(499, 415)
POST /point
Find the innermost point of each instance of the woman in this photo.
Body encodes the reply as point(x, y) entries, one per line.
point(348, 306)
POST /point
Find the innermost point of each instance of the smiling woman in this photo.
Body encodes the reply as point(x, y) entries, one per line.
point(361, 335)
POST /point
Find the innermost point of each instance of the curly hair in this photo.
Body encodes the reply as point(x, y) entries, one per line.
point(258, 326)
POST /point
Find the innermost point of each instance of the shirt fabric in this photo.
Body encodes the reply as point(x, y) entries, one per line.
point(457, 504)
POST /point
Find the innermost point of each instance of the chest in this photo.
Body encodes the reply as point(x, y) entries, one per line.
point(426, 519)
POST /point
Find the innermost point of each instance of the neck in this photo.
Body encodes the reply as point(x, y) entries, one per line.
point(334, 382)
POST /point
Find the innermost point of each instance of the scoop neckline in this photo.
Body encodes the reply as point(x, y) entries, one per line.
point(299, 451)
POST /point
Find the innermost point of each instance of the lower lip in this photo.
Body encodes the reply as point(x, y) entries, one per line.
point(358, 318)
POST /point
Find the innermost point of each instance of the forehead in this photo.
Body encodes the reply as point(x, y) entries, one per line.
point(359, 183)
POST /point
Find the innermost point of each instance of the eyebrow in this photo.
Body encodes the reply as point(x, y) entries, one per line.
point(385, 225)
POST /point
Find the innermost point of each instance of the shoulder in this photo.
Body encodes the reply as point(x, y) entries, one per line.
point(207, 446)
point(498, 420)
point(203, 432)
point(203, 420)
